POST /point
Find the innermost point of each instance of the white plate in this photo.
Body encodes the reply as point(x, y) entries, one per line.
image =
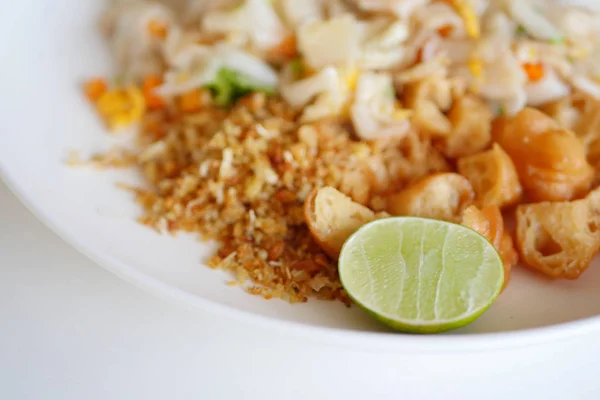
point(48, 49)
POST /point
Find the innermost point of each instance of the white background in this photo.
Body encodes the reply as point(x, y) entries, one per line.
point(71, 330)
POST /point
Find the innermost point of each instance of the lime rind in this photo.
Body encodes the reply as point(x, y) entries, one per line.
point(475, 280)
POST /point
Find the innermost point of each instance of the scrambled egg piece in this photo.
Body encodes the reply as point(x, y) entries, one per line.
point(476, 67)
point(467, 13)
point(121, 107)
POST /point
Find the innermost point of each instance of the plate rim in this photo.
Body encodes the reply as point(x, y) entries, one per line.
point(364, 340)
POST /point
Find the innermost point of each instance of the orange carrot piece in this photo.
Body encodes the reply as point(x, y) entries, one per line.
point(445, 30)
point(153, 101)
point(190, 102)
point(534, 71)
point(157, 29)
point(94, 88)
point(286, 49)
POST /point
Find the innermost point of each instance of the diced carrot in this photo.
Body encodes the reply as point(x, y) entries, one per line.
point(157, 29)
point(190, 102)
point(445, 30)
point(94, 88)
point(534, 71)
point(153, 101)
point(286, 49)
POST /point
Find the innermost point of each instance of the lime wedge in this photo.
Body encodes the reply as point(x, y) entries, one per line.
point(421, 275)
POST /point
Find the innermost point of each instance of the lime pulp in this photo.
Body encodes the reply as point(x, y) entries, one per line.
point(421, 275)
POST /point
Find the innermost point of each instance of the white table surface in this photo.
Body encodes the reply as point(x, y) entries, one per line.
point(71, 330)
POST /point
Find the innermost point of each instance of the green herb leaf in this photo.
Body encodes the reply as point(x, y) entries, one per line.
point(297, 67)
point(229, 86)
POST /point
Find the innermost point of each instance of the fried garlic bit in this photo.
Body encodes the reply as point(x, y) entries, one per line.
point(440, 196)
point(559, 239)
point(332, 217)
point(551, 162)
point(493, 176)
point(489, 223)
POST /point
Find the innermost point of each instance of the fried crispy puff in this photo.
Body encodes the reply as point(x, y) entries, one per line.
point(489, 223)
point(551, 161)
point(493, 177)
point(440, 196)
point(429, 99)
point(332, 217)
point(580, 113)
point(471, 122)
point(559, 239)
point(465, 129)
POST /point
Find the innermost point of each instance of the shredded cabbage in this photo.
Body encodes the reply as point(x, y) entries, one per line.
point(299, 93)
point(383, 45)
point(204, 64)
point(297, 12)
point(524, 52)
point(332, 42)
point(401, 8)
point(255, 18)
point(374, 112)
point(528, 14)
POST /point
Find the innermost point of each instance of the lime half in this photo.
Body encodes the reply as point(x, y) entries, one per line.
point(421, 275)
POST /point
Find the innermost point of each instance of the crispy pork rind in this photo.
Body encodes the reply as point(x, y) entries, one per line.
point(439, 196)
point(471, 122)
point(551, 161)
point(332, 217)
point(493, 177)
point(559, 239)
point(489, 223)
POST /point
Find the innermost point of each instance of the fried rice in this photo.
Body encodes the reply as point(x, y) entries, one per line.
point(238, 121)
